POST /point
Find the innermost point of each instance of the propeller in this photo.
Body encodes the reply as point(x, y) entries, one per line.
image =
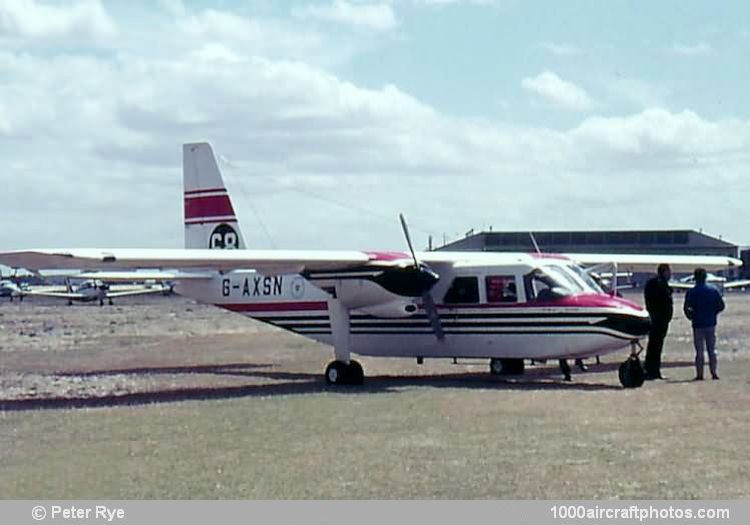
point(423, 280)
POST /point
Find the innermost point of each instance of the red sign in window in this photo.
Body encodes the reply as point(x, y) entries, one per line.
point(501, 289)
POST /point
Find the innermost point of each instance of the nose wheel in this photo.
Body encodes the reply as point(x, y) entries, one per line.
point(631, 371)
point(341, 373)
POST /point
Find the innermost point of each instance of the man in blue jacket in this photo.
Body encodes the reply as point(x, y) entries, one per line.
point(702, 304)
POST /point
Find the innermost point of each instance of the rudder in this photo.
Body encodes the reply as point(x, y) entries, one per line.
point(210, 220)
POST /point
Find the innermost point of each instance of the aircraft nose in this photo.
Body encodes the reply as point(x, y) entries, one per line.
point(634, 325)
point(641, 325)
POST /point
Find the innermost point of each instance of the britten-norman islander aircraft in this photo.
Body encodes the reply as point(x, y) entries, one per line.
point(505, 307)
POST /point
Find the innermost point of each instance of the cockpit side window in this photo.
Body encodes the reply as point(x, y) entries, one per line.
point(463, 290)
point(537, 286)
point(547, 284)
point(501, 289)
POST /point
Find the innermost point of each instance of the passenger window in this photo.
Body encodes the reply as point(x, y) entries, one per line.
point(501, 289)
point(463, 290)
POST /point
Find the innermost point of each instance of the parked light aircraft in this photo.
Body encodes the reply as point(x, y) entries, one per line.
point(506, 307)
point(92, 290)
point(11, 290)
point(685, 283)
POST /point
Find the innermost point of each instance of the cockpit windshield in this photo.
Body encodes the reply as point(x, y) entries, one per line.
point(585, 277)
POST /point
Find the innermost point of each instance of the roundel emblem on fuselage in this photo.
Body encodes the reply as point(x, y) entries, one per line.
point(224, 237)
point(298, 287)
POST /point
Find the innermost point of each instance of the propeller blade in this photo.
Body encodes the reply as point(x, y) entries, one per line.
point(408, 238)
point(432, 315)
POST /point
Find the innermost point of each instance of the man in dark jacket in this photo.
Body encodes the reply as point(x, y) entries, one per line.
point(658, 296)
point(702, 304)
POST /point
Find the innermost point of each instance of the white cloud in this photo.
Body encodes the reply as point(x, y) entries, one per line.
point(247, 36)
point(378, 17)
point(325, 162)
point(31, 19)
point(558, 92)
point(691, 50)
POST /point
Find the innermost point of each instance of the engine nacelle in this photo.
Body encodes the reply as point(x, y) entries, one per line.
point(390, 310)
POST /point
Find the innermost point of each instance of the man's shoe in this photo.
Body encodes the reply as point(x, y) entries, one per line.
point(663, 378)
point(714, 376)
point(698, 378)
point(581, 365)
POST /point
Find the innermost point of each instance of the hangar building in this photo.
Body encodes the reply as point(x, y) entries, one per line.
point(673, 242)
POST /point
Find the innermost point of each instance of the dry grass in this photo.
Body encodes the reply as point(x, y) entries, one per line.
point(158, 408)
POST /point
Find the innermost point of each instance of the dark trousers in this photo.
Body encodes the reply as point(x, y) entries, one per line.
point(653, 350)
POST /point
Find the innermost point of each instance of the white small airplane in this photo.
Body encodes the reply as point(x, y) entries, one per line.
point(505, 307)
point(12, 290)
point(92, 290)
point(722, 283)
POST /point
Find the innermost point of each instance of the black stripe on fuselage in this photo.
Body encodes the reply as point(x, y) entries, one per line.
point(624, 324)
point(594, 331)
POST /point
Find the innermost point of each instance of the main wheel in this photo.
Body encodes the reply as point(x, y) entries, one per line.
point(631, 373)
point(506, 367)
point(355, 373)
point(336, 373)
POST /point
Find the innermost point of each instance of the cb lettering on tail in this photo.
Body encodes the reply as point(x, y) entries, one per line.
point(223, 237)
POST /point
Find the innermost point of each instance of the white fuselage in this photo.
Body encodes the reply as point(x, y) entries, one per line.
point(578, 326)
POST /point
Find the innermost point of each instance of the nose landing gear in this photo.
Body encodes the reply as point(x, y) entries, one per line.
point(631, 371)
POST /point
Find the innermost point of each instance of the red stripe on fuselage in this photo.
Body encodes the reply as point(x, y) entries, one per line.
point(197, 207)
point(303, 306)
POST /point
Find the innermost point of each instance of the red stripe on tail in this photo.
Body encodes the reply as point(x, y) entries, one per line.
point(198, 207)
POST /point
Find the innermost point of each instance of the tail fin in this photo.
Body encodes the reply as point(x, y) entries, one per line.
point(210, 221)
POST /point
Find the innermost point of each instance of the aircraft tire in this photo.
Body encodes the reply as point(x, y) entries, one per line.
point(506, 367)
point(631, 373)
point(336, 373)
point(355, 373)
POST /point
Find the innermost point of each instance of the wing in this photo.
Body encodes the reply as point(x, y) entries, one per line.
point(264, 261)
point(138, 291)
point(61, 295)
point(649, 262)
point(139, 276)
point(736, 284)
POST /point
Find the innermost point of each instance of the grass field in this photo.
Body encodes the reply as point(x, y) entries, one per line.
point(155, 406)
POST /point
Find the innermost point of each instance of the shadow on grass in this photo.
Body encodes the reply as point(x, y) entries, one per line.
point(537, 378)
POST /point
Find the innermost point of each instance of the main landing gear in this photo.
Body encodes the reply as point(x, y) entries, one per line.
point(631, 372)
point(341, 373)
point(344, 370)
point(506, 367)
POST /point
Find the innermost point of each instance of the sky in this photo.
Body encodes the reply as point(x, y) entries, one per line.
point(330, 117)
